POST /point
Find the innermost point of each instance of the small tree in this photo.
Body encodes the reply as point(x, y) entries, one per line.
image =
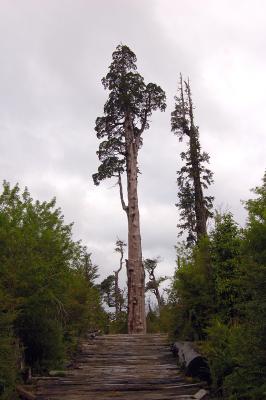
point(85, 266)
point(107, 288)
point(225, 246)
point(126, 112)
point(193, 177)
point(154, 283)
point(119, 300)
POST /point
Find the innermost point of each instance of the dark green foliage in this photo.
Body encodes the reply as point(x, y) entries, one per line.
point(128, 95)
point(253, 362)
point(245, 379)
point(193, 293)
point(219, 351)
point(225, 246)
point(236, 347)
point(42, 338)
point(118, 322)
point(107, 288)
point(9, 351)
point(161, 321)
point(256, 227)
point(207, 279)
point(222, 300)
point(47, 285)
point(234, 355)
point(193, 177)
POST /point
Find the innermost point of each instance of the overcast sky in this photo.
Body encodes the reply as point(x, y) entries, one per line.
point(53, 54)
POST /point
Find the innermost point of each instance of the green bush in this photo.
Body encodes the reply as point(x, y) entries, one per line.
point(9, 347)
point(192, 293)
point(46, 286)
point(118, 324)
point(42, 338)
point(219, 352)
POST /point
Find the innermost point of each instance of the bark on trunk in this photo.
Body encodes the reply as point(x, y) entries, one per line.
point(135, 269)
point(194, 363)
point(201, 225)
point(158, 298)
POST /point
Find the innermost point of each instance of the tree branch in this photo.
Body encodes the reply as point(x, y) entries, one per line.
point(120, 244)
point(190, 104)
point(124, 206)
point(145, 115)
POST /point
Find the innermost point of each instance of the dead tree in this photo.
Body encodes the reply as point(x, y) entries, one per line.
point(193, 177)
point(154, 283)
point(118, 294)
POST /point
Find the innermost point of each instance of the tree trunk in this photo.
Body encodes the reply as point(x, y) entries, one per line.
point(194, 363)
point(201, 220)
point(158, 298)
point(200, 210)
point(135, 269)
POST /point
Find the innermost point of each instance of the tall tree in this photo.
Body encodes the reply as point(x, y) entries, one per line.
point(193, 177)
point(126, 115)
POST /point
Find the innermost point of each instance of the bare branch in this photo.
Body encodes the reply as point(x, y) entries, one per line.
point(182, 97)
point(190, 104)
point(120, 249)
point(124, 206)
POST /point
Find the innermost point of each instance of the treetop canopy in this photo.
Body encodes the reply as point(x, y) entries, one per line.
point(129, 98)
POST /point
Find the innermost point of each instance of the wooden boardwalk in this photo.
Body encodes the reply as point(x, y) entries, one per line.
point(121, 367)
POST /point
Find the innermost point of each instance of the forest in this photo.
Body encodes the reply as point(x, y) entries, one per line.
point(51, 293)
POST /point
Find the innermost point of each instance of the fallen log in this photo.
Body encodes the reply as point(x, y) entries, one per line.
point(194, 363)
point(202, 394)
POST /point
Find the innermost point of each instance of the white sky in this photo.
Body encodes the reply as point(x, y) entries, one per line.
point(53, 56)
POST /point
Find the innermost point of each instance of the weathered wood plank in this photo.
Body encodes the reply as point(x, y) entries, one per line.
point(120, 367)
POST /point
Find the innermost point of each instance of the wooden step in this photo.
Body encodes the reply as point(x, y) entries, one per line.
point(121, 367)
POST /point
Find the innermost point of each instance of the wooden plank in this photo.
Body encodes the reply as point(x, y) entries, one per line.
point(120, 367)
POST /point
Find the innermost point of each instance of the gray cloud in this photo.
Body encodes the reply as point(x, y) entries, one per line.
point(53, 56)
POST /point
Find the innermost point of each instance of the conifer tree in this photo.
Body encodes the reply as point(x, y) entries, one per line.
point(126, 116)
point(107, 289)
point(193, 177)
